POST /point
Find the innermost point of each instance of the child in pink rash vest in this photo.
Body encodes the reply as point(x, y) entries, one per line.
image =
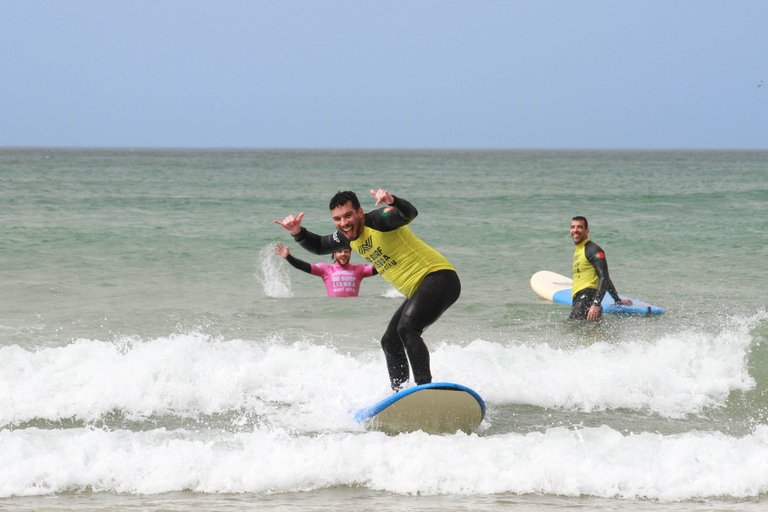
point(341, 279)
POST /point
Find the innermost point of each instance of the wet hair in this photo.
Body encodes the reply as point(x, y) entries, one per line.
point(342, 198)
point(582, 219)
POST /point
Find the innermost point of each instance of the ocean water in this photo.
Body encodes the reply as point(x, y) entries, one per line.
point(155, 354)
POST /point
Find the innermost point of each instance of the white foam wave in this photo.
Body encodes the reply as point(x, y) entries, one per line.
point(302, 395)
point(302, 385)
point(594, 461)
point(182, 375)
point(674, 376)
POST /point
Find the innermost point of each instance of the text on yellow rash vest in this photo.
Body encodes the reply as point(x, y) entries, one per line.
point(400, 257)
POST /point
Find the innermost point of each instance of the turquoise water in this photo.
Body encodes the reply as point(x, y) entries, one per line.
point(155, 352)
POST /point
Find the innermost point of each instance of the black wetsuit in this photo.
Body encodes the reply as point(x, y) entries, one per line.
point(299, 264)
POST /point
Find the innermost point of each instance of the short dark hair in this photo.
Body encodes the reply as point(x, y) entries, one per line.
point(582, 219)
point(342, 198)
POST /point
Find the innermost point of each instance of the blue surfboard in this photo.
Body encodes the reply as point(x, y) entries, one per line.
point(557, 288)
point(435, 408)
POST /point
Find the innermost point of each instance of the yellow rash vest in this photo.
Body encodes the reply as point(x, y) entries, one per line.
point(400, 257)
point(590, 270)
point(584, 275)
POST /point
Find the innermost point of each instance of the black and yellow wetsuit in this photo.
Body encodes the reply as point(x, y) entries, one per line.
point(590, 279)
point(426, 278)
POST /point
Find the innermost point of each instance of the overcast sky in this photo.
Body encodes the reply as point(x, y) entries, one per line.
point(385, 74)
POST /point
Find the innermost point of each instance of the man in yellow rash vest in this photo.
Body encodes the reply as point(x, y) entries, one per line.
point(590, 275)
point(428, 281)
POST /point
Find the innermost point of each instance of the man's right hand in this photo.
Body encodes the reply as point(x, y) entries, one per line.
point(292, 224)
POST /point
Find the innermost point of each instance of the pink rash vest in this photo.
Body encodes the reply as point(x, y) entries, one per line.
point(342, 281)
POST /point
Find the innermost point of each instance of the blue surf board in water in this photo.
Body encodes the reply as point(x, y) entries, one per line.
point(557, 288)
point(435, 408)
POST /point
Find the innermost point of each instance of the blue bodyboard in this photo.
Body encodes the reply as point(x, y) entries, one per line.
point(638, 307)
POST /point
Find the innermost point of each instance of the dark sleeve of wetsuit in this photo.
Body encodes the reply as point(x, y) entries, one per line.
point(389, 219)
point(299, 264)
point(317, 244)
point(596, 257)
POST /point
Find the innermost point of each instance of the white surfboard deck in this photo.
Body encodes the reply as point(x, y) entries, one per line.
point(435, 408)
point(557, 288)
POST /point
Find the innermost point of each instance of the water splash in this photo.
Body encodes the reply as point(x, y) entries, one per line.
point(392, 293)
point(273, 274)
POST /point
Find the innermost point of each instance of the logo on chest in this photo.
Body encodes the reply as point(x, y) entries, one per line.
point(366, 246)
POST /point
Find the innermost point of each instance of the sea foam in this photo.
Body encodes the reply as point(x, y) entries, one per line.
point(593, 461)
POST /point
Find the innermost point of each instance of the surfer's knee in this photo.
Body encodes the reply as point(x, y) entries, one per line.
point(409, 334)
point(391, 343)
